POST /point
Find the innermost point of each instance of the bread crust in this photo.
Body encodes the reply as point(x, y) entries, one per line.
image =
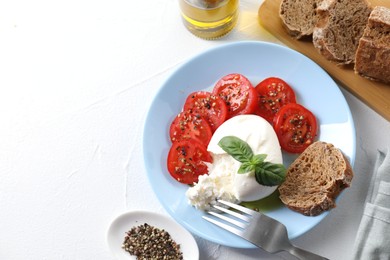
point(372, 59)
point(339, 27)
point(315, 179)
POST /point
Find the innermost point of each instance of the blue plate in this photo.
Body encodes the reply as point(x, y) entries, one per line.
point(256, 60)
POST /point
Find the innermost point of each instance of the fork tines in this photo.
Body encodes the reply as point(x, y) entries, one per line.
point(238, 207)
point(246, 218)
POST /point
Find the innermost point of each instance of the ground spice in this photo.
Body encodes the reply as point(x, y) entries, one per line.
point(149, 242)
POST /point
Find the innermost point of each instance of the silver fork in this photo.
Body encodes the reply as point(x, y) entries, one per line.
point(259, 229)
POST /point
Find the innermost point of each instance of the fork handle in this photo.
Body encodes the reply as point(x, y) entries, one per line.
point(303, 254)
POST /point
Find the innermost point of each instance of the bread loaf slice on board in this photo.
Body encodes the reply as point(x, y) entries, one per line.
point(373, 53)
point(299, 16)
point(339, 27)
point(315, 179)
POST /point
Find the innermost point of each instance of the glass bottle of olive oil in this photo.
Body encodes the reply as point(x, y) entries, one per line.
point(209, 19)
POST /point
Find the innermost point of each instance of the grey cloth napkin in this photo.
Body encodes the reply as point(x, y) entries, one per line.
point(373, 236)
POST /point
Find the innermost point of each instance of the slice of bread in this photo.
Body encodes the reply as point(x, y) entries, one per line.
point(299, 16)
point(373, 53)
point(339, 27)
point(315, 179)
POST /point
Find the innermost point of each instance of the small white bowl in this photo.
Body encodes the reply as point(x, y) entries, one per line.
point(123, 223)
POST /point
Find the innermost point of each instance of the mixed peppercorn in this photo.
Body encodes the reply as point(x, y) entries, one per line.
point(148, 242)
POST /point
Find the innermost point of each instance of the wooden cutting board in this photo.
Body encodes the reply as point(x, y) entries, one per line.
point(376, 95)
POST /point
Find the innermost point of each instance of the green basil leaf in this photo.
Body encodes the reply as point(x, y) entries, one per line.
point(266, 173)
point(270, 174)
point(246, 167)
point(258, 159)
point(276, 168)
point(237, 148)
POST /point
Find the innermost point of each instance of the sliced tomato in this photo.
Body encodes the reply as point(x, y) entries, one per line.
point(238, 93)
point(187, 125)
point(296, 127)
point(210, 107)
point(186, 161)
point(273, 94)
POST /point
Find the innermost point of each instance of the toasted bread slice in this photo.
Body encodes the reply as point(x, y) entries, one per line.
point(339, 27)
point(299, 16)
point(315, 179)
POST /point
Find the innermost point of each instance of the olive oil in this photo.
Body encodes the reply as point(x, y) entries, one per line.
point(209, 19)
point(269, 203)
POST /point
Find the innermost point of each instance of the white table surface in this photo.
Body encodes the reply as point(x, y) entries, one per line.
point(76, 79)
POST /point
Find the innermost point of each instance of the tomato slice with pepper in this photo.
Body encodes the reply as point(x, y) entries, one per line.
point(238, 93)
point(296, 127)
point(210, 107)
point(187, 125)
point(186, 161)
point(273, 94)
